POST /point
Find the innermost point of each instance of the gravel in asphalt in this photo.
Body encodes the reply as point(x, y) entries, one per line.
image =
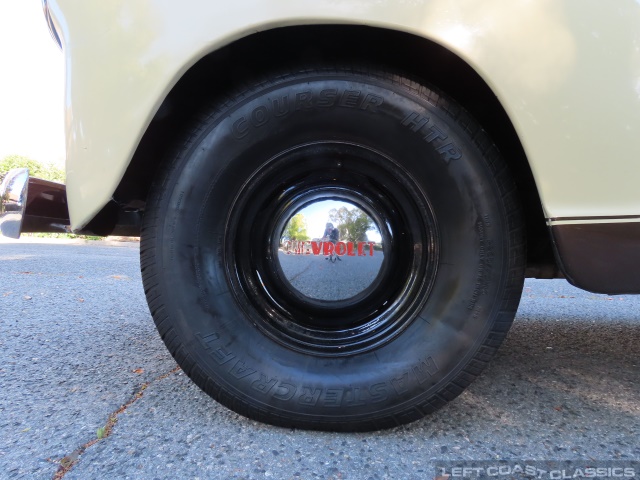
point(77, 343)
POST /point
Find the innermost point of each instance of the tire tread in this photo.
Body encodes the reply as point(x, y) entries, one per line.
point(151, 267)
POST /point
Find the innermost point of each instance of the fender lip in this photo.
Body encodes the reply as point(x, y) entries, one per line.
point(29, 204)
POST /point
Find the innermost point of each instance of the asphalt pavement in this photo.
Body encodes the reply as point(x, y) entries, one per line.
point(89, 389)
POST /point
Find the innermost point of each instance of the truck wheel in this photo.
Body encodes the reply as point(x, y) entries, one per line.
point(431, 250)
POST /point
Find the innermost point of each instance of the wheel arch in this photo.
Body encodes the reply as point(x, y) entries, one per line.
point(223, 69)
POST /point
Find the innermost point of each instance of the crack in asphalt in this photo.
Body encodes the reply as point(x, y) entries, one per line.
point(69, 461)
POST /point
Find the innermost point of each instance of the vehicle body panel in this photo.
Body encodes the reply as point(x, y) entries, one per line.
point(567, 73)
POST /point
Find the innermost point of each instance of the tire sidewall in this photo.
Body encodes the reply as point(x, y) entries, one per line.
point(464, 304)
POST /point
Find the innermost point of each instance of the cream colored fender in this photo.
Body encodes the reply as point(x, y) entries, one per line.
point(566, 71)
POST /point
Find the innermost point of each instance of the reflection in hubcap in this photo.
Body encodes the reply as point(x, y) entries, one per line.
point(330, 250)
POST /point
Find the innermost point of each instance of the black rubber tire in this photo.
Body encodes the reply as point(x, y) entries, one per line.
point(475, 271)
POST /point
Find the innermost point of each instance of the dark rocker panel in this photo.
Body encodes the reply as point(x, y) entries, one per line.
point(600, 257)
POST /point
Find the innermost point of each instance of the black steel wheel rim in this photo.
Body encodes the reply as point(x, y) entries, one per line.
point(357, 175)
